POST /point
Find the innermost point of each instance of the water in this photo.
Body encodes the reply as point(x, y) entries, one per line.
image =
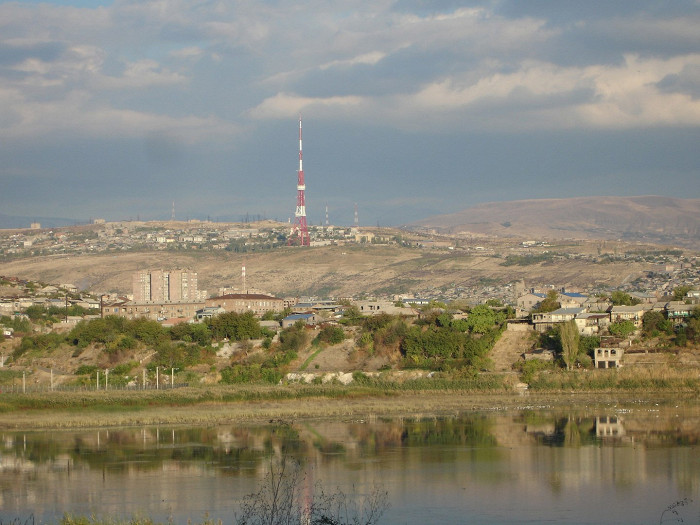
point(622, 467)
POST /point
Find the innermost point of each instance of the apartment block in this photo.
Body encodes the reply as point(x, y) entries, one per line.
point(163, 286)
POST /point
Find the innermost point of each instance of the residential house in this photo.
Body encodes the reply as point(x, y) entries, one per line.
point(678, 312)
point(379, 307)
point(623, 313)
point(546, 320)
point(643, 297)
point(608, 357)
point(309, 319)
point(208, 312)
point(155, 311)
point(572, 300)
point(240, 303)
point(590, 323)
point(316, 306)
point(530, 300)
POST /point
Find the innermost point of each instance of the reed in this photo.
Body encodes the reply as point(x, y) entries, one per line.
point(661, 379)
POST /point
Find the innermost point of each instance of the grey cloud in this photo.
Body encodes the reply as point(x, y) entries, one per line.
point(686, 82)
point(11, 55)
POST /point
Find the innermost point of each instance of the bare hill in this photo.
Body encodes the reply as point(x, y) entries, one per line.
point(338, 271)
point(654, 219)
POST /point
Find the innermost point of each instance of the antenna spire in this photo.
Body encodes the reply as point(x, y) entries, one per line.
point(300, 231)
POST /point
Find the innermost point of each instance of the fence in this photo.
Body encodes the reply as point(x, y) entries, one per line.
point(32, 389)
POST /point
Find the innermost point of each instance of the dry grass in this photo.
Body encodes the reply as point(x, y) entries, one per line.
point(245, 404)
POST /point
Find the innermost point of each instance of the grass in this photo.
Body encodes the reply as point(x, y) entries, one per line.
point(309, 359)
point(368, 395)
point(661, 379)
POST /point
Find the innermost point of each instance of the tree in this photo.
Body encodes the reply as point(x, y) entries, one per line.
point(622, 328)
point(234, 326)
point(331, 335)
point(679, 292)
point(549, 303)
point(619, 298)
point(655, 322)
point(481, 319)
point(568, 335)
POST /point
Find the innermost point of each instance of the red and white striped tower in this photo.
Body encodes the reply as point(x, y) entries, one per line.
point(300, 232)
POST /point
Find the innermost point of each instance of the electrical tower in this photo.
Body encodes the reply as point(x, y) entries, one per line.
point(300, 232)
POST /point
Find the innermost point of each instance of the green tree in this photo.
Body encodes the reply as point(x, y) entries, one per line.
point(619, 298)
point(655, 322)
point(622, 328)
point(234, 326)
point(481, 319)
point(549, 303)
point(680, 292)
point(569, 338)
point(331, 335)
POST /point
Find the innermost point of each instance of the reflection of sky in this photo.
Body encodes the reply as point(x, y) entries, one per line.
point(484, 470)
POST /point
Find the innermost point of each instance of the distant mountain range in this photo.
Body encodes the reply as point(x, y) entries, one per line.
point(14, 222)
point(652, 219)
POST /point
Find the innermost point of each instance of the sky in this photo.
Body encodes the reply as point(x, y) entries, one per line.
point(411, 108)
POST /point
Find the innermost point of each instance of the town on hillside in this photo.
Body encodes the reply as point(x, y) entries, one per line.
point(240, 331)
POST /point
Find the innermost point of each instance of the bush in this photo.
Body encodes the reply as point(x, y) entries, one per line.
point(622, 328)
point(331, 335)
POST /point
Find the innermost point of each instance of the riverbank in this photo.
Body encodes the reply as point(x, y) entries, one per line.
point(261, 404)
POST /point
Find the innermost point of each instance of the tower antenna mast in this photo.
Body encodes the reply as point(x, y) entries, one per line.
point(300, 232)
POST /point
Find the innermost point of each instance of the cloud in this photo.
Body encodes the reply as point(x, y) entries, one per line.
point(286, 105)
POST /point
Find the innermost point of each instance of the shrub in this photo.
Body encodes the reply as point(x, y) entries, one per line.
point(331, 335)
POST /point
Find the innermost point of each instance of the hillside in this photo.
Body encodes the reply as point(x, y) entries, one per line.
point(339, 271)
point(654, 219)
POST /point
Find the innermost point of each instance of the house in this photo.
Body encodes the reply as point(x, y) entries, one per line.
point(530, 300)
point(590, 323)
point(677, 311)
point(608, 357)
point(572, 300)
point(646, 298)
point(635, 313)
point(546, 320)
point(240, 303)
point(414, 301)
point(316, 306)
point(378, 307)
point(155, 311)
point(309, 319)
point(208, 312)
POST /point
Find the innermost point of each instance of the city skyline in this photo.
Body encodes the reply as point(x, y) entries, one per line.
point(115, 109)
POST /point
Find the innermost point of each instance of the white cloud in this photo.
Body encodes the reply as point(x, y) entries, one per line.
point(285, 105)
point(545, 96)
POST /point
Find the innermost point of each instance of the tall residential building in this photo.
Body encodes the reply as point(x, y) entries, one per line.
point(162, 286)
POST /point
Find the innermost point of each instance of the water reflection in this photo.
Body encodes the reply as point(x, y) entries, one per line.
point(481, 468)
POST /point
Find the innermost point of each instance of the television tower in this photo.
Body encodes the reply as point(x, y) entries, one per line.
point(300, 232)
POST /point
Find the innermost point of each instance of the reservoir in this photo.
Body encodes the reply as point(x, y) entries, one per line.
point(530, 465)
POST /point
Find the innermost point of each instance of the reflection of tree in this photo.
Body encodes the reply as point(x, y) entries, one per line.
point(36, 448)
point(571, 431)
point(472, 431)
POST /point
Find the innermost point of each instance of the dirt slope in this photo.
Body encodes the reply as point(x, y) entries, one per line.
point(509, 349)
